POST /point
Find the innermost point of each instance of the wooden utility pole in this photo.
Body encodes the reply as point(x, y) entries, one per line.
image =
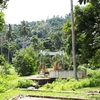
point(73, 42)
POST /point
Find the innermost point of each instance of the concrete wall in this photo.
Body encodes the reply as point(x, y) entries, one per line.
point(66, 74)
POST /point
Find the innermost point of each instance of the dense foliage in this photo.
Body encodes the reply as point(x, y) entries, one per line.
point(54, 34)
point(25, 62)
point(87, 33)
point(4, 66)
point(41, 35)
point(24, 83)
point(3, 5)
point(6, 82)
point(92, 80)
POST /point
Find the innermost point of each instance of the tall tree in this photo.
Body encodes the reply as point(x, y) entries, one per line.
point(9, 37)
point(87, 29)
point(3, 32)
point(73, 41)
point(24, 30)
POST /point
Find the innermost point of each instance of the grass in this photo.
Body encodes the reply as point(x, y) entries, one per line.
point(80, 94)
point(14, 92)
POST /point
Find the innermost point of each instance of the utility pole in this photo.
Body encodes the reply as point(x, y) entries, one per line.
point(73, 42)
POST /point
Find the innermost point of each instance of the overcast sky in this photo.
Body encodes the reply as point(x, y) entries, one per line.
point(35, 10)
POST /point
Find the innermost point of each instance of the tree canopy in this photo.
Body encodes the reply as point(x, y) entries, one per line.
point(3, 5)
point(86, 30)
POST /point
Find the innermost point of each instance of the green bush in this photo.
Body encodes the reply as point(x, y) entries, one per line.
point(6, 82)
point(72, 84)
point(25, 62)
point(24, 83)
point(4, 66)
point(5, 69)
point(2, 60)
point(82, 67)
point(95, 79)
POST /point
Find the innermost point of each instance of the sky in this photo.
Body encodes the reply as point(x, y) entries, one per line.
point(36, 10)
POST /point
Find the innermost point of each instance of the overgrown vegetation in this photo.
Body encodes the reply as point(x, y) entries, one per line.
point(4, 66)
point(6, 82)
point(25, 62)
point(24, 83)
point(92, 80)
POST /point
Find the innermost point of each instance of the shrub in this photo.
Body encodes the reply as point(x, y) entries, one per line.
point(4, 66)
point(5, 69)
point(27, 66)
point(2, 60)
point(6, 82)
point(24, 83)
point(72, 84)
point(25, 62)
point(82, 67)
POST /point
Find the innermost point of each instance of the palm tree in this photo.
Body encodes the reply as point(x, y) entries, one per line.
point(9, 37)
point(24, 30)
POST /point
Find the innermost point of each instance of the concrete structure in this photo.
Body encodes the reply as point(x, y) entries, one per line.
point(66, 74)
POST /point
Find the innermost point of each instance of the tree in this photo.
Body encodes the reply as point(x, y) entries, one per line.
point(57, 40)
point(9, 37)
point(13, 47)
point(86, 21)
point(3, 5)
point(4, 70)
point(1, 20)
point(47, 44)
point(24, 30)
point(36, 44)
point(73, 41)
point(25, 62)
point(87, 29)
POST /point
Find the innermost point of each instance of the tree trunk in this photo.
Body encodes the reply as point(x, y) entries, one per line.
point(8, 51)
point(73, 42)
